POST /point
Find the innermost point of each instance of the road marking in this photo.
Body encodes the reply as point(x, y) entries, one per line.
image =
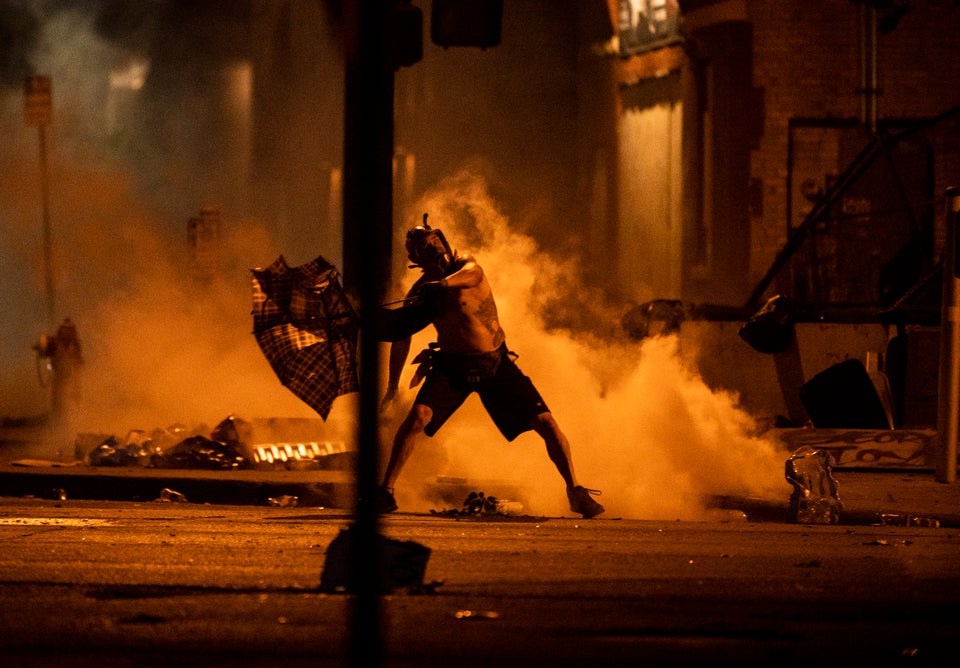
point(52, 521)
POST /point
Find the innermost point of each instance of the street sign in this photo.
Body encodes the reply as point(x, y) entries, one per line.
point(37, 101)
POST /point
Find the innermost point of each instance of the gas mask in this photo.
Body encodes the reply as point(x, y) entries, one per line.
point(426, 245)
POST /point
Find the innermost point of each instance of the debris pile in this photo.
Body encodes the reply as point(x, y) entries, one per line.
point(815, 498)
point(477, 504)
point(228, 446)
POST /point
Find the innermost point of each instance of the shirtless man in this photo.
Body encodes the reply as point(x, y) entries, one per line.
point(470, 355)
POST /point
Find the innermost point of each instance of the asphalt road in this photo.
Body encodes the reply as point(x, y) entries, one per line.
point(87, 583)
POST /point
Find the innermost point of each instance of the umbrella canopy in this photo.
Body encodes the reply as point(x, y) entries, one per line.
point(307, 329)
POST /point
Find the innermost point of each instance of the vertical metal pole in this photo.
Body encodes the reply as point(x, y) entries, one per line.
point(948, 414)
point(47, 235)
point(367, 234)
point(868, 67)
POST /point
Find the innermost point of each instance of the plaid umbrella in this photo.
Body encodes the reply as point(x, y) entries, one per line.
point(307, 330)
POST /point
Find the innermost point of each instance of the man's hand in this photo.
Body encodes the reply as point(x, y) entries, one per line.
point(388, 398)
point(431, 290)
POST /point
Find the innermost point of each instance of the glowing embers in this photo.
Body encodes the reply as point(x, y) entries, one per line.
point(294, 455)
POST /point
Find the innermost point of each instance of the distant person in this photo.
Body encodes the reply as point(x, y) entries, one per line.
point(470, 355)
point(66, 358)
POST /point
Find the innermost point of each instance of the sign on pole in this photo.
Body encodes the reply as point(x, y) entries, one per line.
point(37, 101)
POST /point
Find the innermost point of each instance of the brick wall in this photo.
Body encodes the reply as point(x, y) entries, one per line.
point(807, 64)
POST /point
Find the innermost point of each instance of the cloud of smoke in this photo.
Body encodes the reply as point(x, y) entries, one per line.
point(160, 347)
point(643, 426)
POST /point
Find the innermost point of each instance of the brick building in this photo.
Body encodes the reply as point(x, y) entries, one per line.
point(738, 118)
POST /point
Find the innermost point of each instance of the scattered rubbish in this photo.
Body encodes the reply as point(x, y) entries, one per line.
point(228, 446)
point(168, 495)
point(283, 501)
point(815, 498)
point(476, 614)
point(166, 449)
point(901, 520)
point(879, 541)
point(402, 564)
point(43, 463)
point(111, 453)
point(57, 494)
point(478, 504)
point(200, 452)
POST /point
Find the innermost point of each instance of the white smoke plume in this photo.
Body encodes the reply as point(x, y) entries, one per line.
point(643, 427)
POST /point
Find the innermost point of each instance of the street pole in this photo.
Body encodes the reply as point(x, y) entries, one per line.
point(367, 237)
point(948, 414)
point(47, 235)
point(38, 112)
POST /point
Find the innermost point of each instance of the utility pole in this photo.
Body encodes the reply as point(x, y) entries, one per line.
point(38, 112)
point(367, 240)
point(948, 415)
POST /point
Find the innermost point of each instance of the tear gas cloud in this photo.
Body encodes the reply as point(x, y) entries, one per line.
point(160, 347)
point(643, 426)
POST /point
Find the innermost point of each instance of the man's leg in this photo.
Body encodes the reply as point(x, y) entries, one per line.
point(558, 449)
point(403, 442)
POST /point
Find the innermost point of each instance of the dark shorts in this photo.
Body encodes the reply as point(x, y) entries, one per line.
point(509, 396)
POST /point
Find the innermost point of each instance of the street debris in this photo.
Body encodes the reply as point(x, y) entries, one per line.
point(283, 501)
point(168, 495)
point(906, 520)
point(815, 498)
point(228, 446)
point(402, 564)
point(171, 448)
point(477, 504)
point(476, 614)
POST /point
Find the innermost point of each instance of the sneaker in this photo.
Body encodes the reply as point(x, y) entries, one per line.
point(581, 501)
point(385, 501)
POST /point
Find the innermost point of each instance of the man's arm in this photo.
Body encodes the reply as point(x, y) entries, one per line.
point(398, 357)
point(467, 276)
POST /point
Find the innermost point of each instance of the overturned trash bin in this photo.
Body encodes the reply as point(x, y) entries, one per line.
point(815, 498)
point(403, 563)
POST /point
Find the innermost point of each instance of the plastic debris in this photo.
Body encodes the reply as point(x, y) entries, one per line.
point(168, 495)
point(815, 498)
point(900, 520)
point(478, 504)
point(199, 452)
point(283, 501)
point(111, 453)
